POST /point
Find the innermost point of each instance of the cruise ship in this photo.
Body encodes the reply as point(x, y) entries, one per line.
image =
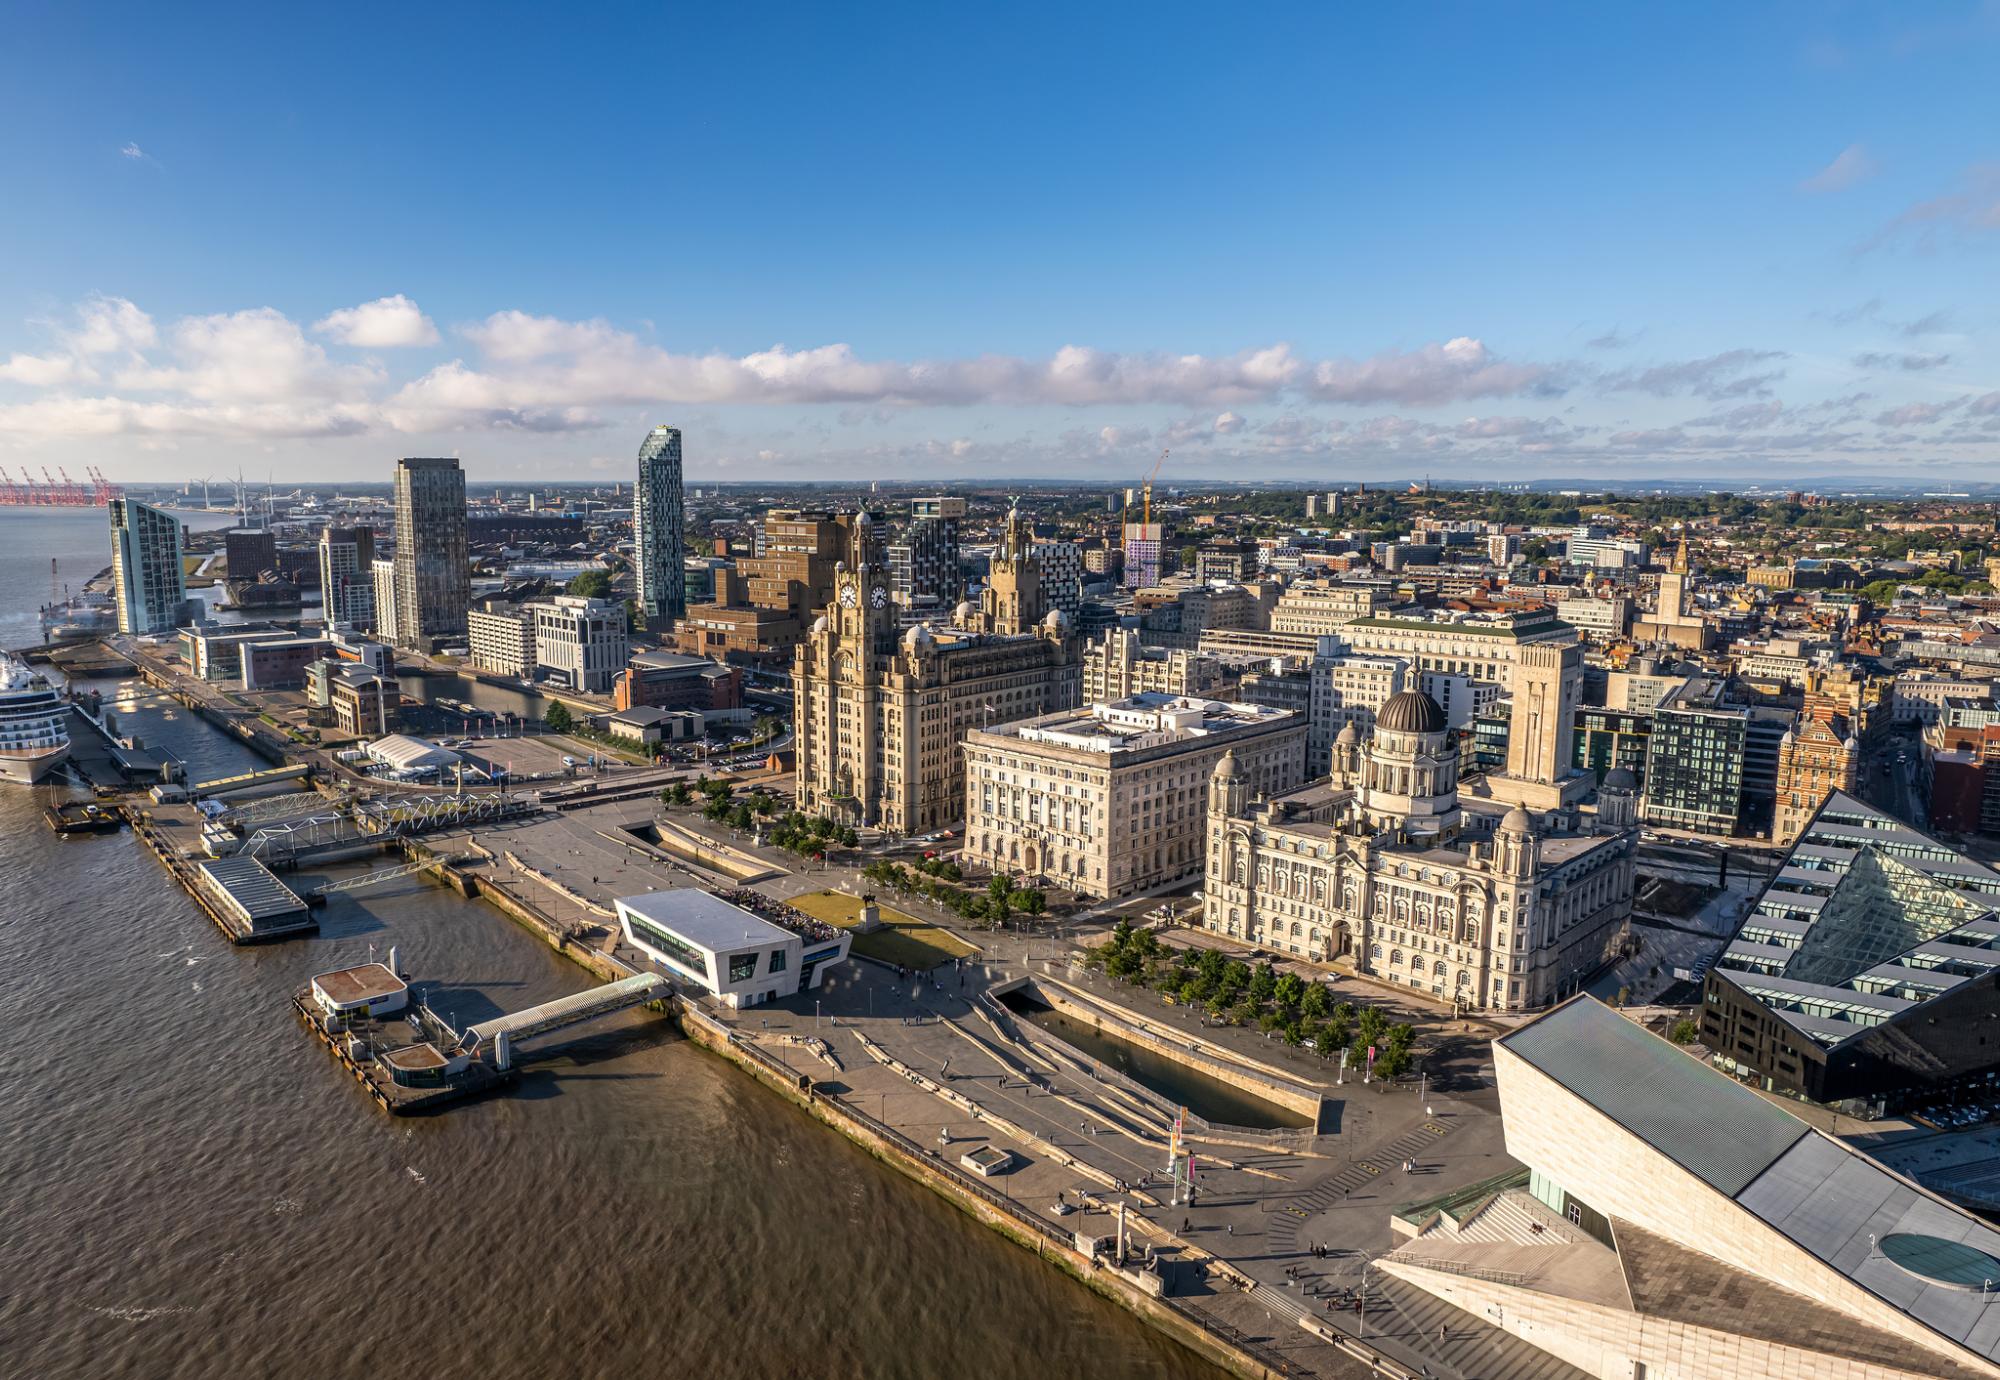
point(34, 724)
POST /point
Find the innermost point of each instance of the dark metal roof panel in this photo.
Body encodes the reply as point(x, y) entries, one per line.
point(1717, 1130)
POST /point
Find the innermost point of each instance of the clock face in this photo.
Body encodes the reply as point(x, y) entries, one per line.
point(848, 595)
point(879, 597)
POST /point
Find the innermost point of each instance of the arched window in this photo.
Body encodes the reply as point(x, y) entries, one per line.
point(1295, 929)
point(1395, 958)
point(1374, 950)
point(1438, 968)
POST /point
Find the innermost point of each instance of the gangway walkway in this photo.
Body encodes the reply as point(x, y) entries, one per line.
point(387, 874)
point(579, 1006)
point(249, 780)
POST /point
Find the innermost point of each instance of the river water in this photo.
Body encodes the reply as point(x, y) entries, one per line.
point(190, 1188)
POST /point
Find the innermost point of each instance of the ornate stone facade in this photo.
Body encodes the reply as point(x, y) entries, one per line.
point(880, 715)
point(1383, 869)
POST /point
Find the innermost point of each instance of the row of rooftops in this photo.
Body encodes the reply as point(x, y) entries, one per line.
point(1141, 722)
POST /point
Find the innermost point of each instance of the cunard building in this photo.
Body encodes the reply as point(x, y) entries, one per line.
point(880, 710)
point(1384, 868)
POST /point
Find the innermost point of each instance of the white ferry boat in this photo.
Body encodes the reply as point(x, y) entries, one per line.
point(34, 724)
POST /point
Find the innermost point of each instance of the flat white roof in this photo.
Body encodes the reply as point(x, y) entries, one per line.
point(706, 921)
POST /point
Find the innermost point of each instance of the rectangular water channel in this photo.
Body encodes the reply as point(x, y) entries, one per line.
point(1209, 1098)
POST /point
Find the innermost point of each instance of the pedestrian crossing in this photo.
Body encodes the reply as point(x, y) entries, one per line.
point(1287, 1219)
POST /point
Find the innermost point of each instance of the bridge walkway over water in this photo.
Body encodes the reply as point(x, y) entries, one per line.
point(579, 1006)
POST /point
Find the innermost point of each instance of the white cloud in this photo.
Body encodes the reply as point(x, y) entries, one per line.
point(111, 325)
point(1228, 424)
point(1434, 374)
point(386, 323)
point(133, 151)
point(45, 371)
point(1851, 165)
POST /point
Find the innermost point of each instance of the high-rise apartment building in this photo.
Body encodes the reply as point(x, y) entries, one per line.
point(659, 547)
point(382, 577)
point(1062, 575)
point(347, 575)
point(433, 568)
point(923, 559)
point(146, 567)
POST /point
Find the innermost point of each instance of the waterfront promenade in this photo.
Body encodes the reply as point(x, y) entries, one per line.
point(924, 1055)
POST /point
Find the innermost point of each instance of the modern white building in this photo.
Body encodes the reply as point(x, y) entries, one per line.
point(743, 958)
point(1601, 620)
point(402, 752)
point(501, 637)
point(382, 572)
point(1462, 697)
point(1348, 688)
point(146, 572)
point(583, 642)
point(347, 575)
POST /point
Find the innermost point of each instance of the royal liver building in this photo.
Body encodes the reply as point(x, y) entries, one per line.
point(1385, 869)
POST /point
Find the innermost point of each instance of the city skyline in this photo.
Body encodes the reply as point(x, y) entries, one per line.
point(1314, 258)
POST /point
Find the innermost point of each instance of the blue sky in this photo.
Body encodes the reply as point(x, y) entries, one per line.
point(1349, 241)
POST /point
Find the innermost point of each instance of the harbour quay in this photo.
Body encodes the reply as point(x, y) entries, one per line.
point(243, 897)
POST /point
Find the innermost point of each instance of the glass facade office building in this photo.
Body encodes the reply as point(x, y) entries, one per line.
point(433, 568)
point(146, 570)
point(1694, 770)
point(659, 529)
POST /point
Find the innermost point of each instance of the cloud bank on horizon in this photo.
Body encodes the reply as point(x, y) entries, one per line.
point(253, 376)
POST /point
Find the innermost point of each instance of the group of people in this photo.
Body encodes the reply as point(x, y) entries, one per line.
point(779, 913)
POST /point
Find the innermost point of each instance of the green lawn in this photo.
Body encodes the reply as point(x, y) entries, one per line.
point(902, 939)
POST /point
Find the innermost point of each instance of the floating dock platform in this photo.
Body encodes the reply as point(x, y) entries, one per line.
point(249, 902)
point(83, 818)
point(404, 1056)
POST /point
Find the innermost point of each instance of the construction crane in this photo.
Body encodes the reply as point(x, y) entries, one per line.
point(1146, 491)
